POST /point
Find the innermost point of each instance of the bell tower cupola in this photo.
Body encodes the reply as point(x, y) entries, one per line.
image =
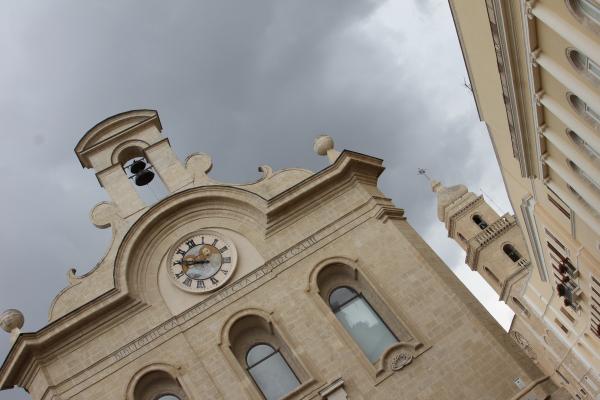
point(128, 150)
point(494, 244)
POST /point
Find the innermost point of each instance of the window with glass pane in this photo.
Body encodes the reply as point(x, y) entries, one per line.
point(593, 68)
point(270, 372)
point(361, 322)
point(591, 9)
point(589, 150)
point(592, 114)
point(585, 176)
point(583, 201)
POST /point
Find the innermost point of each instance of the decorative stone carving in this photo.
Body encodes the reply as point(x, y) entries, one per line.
point(398, 357)
point(523, 344)
point(12, 321)
point(199, 165)
point(103, 215)
point(323, 146)
point(400, 360)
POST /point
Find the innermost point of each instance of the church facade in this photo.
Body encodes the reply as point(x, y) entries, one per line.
point(299, 286)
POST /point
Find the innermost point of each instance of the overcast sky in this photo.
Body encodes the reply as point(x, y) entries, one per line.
point(249, 82)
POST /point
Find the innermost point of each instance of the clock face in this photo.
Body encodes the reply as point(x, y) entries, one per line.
point(203, 262)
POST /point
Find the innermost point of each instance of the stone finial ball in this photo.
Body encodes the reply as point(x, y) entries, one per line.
point(11, 319)
point(322, 144)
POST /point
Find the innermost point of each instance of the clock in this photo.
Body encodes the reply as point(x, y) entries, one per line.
point(202, 262)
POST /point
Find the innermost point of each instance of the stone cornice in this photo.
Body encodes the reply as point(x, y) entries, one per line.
point(30, 347)
point(509, 59)
point(97, 136)
point(349, 168)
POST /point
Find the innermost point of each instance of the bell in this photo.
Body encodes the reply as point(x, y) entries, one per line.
point(144, 176)
point(137, 166)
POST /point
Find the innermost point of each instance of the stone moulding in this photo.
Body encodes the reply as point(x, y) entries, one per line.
point(117, 125)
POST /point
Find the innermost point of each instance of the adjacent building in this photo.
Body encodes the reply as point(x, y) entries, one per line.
point(534, 68)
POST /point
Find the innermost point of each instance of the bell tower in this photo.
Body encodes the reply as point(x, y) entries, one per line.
point(494, 244)
point(128, 149)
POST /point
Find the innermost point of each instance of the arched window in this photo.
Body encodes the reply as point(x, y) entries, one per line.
point(360, 315)
point(271, 373)
point(144, 180)
point(264, 356)
point(583, 201)
point(587, 12)
point(361, 322)
point(586, 177)
point(158, 385)
point(585, 65)
point(584, 110)
point(480, 222)
point(583, 145)
point(511, 252)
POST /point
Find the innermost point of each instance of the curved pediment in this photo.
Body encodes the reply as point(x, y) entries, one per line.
point(227, 208)
point(134, 248)
point(112, 128)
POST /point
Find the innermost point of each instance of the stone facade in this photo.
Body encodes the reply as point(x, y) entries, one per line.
point(533, 70)
point(126, 331)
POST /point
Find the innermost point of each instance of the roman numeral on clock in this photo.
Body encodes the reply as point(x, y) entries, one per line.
point(224, 271)
point(179, 251)
point(223, 249)
point(200, 284)
point(215, 242)
point(179, 275)
point(188, 281)
point(191, 243)
point(226, 260)
point(213, 280)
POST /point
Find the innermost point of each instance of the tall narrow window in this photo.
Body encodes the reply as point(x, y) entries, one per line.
point(583, 145)
point(480, 222)
point(583, 201)
point(511, 252)
point(586, 177)
point(361, 322)
point(270, 372)
point(265, 358)
point(587, 12)
point(492, 275)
